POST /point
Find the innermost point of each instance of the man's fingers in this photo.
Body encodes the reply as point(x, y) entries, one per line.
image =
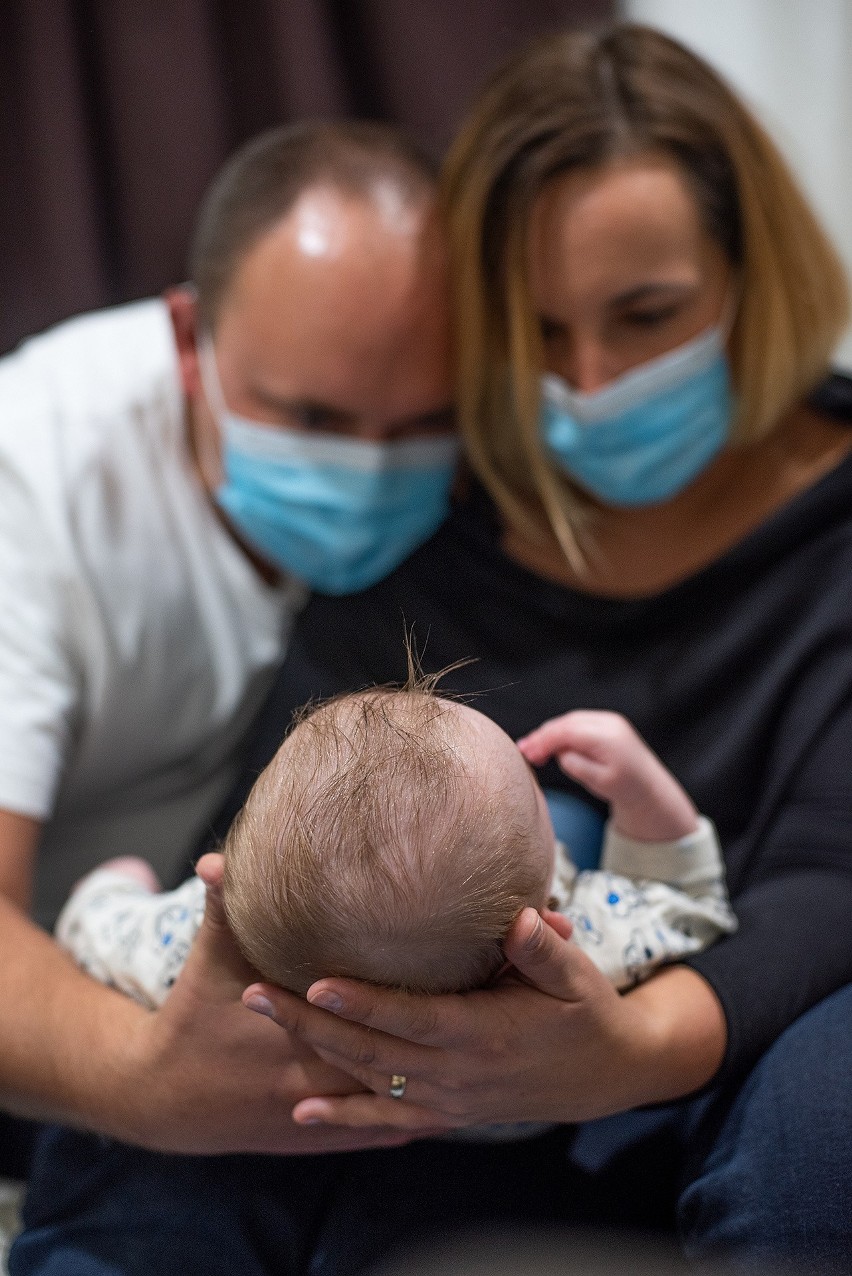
point(546, 960)
point(363, 1111)
point(210, 869)
point(215, 949)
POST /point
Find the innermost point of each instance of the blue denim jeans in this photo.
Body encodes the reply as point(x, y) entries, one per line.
point(748, 1177)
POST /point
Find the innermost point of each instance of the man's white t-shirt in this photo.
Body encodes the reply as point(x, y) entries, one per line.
point(136, 638)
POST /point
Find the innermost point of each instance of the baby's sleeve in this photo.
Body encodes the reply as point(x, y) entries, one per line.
point(650, 903)
point(128, 937)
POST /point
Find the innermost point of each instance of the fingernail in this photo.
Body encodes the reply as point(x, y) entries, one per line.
point(261, 1005)
point(328, 1000)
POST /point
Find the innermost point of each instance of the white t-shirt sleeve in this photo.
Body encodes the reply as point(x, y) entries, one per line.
point(39, 677)
point(136, 638)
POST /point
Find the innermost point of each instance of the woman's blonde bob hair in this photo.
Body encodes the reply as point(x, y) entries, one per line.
point(587, 100)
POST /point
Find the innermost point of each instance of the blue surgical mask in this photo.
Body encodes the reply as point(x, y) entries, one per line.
point(644, 437)
point(336, 512)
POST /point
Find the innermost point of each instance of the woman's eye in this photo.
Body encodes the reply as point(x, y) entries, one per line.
point(550, 330)
point(648, 318)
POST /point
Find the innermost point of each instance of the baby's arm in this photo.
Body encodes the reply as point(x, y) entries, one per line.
point(650, 903)
point(605, 754)
point(121, 929)
point(660, 893)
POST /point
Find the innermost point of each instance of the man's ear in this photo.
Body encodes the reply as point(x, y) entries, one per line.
point(183, 312)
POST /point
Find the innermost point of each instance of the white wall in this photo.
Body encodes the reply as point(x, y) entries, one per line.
point(792, 62)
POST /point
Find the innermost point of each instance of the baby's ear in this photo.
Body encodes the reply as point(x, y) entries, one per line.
point(557, 922)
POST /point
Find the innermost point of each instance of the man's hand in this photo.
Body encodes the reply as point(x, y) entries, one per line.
point(211, 1077)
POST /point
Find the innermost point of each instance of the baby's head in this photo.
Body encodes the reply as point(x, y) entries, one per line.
point(393, 838)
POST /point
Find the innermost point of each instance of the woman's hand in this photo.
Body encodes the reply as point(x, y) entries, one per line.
point(210, 1077)
point(552, 1041)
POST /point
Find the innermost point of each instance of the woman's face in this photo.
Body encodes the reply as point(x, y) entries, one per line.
point(621, 269)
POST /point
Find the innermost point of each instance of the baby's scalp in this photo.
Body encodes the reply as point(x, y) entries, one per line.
point(394, 837)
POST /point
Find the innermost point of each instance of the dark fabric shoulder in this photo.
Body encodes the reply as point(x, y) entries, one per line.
point(833, 397)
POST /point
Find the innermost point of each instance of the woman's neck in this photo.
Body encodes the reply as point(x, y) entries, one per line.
point(633, 553)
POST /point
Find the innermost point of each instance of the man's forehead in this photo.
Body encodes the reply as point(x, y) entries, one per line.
point(330, 267)
point(326, 226)
point(317, 225)
point(345, 319)
point(325, 221)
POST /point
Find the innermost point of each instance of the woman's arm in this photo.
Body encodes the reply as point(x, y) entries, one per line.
point(552, 1042)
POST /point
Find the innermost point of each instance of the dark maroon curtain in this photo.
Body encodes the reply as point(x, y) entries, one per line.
point(114, 114)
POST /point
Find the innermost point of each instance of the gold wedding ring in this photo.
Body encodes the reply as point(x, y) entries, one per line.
point(397, 1086)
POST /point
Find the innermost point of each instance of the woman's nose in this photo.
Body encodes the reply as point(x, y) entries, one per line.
point(585, 365)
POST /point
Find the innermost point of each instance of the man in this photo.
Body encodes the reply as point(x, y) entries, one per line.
point(172, 475)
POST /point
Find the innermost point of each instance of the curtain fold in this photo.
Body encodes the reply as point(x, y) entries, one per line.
point(114, 115)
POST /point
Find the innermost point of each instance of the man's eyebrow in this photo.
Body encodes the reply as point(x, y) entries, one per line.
point(298, 407)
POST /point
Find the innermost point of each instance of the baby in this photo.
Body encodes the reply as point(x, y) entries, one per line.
point(396, 835)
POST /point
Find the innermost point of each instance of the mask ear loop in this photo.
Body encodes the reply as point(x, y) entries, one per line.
point(212, 389)
point(210, 383)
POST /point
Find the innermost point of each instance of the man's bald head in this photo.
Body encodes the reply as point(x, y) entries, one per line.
point(264, 180)
point(321, 291)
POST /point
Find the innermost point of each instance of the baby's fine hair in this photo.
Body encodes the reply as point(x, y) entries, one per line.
point(371, 848)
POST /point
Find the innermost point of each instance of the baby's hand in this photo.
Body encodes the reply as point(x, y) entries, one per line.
point(128, 866)
point(605, 754)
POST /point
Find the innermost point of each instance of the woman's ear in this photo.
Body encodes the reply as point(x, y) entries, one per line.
point(183, 312)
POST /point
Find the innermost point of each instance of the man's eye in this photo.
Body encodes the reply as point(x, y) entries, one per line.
point(308, 418)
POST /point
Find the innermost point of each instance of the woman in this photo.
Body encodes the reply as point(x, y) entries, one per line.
point(664, 529)
point(644, 305)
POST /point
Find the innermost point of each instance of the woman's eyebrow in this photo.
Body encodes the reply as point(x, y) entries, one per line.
point(642, 292)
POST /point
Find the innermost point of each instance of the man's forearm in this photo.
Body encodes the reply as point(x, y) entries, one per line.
point(201, 1075)
point(66, 1042)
